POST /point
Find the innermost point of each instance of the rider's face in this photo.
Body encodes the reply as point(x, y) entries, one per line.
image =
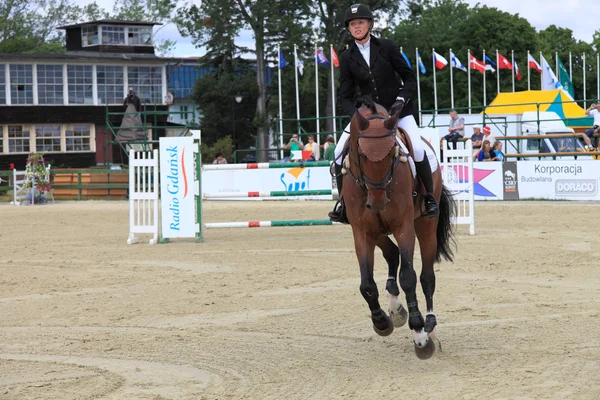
point(359, 27)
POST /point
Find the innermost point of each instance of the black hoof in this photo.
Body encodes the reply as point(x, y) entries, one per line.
point(425, 352)
point(386, 331)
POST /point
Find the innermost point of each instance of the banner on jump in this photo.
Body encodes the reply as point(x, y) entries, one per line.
point(178, 217)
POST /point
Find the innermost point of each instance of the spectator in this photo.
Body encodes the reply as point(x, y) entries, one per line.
point(327, 142)
point(498, 150)
point(486, 153)
point(219, 159)
point(329, 149)
point(456, 129)
point(132, 98)
point(476, 140)
point(594, 111)
point(294, 144)
point(313, 147)
point(487, 134)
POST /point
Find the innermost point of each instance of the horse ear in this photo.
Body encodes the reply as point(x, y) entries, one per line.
point(363, 124)
point(390, 124)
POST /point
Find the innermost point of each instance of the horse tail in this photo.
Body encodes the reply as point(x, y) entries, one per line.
point(445, 230)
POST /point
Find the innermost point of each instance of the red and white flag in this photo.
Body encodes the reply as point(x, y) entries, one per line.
point(334, 57)
point(533, 64)
point(503, 63)
point(440, 62)
point(478, 65)
point(517, 71)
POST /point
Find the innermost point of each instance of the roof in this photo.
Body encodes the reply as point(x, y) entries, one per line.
point(83, 56)
point(110, 22)
point(550, 100)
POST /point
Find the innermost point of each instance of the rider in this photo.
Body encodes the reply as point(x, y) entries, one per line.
point(372, 64)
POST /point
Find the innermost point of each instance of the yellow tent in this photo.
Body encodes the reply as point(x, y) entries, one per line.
point(549, 100)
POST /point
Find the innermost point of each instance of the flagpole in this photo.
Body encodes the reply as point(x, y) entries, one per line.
point(541, 74)
point(451, 82)
point(333, 92)
point(570, 67)
point(418, 70)
point(280, 104)
point(317, 96)
point(469, 77)
point(556, 61)
point(513, 69)
point(597, 76)
point(484, 63)
point(297, 90)
point(584, 94)
point(528, 72)
point(434, 83)
point(497, 72)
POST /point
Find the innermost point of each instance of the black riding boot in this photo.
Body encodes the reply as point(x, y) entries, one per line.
point(424, 171)
point(339, 210)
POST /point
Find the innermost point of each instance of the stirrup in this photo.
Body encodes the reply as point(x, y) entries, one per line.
point(431, 207)
point(339, 213)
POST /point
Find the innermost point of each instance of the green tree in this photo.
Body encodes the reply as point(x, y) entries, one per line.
point(270, 22)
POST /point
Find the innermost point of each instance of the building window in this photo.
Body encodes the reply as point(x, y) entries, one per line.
point(80, 84)
point(78, 137)
point(139, 36)
point(110, 84)
point(113, 35)
point(47, 138)
point(18, 139)
point(89, 36)
point(2, 87)
point(50, 84)
point(184, 112)
point(21, 83)
point(147, 82)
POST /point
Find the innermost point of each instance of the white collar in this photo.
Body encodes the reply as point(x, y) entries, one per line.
point(364, 46)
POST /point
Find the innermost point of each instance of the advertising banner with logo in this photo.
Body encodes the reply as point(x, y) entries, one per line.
point(246, 180)
point(561, 180)
point(178, 216)
point(488, 183)
point(511, 181)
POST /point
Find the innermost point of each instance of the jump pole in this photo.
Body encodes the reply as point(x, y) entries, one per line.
point(213, 167)
point(269, 224)
point(275, 193)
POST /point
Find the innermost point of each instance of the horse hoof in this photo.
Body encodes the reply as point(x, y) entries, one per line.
point(400, 316)
point(385, 332)
point(425, 352)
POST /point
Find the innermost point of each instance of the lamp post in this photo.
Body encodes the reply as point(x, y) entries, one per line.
point(238, 99)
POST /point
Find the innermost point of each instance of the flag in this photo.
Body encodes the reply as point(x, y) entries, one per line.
point(533, 64)
point(549, 79)
point(282, 62)
point(456, 62)
point(300, 66)
point(336, 62)
point(300, 154)
point(420, 63)
point(406, 59)
point(564, 79)
point(321, 59)
point(479, 66)
point(517, 71)
point(489, 60)
point(440, 62)
point(503, 63)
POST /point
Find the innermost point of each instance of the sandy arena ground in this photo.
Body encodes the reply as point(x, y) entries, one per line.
point(277, 314)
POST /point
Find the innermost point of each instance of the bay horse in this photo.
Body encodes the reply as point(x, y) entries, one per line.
point(383, 198)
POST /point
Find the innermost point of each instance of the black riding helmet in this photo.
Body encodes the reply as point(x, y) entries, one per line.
point(357, 11)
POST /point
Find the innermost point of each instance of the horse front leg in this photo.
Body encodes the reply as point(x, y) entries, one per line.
point(392, 257)
point(365, 252)
point(424, 347)
point(426, 233)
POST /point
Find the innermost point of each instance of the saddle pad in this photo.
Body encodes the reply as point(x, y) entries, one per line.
point(433, 163)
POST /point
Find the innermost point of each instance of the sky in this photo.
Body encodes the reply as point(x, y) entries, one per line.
point(581, 16)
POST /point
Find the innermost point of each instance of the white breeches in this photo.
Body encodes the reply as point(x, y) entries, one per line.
point(407, 123)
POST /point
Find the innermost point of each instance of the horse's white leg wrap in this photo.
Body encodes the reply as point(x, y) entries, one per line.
point(409, 124)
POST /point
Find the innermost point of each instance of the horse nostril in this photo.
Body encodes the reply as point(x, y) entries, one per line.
point(369, 207)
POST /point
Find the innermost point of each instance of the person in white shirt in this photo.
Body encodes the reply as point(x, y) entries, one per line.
point(594, 111)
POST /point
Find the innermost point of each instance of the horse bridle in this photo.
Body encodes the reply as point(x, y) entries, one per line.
point(366, 183)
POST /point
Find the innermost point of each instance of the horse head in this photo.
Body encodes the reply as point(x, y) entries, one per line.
point(374, 156)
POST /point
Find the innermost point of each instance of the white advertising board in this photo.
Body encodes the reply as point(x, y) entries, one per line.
point(178, 215)
point(247, 180)
point(559, 180)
